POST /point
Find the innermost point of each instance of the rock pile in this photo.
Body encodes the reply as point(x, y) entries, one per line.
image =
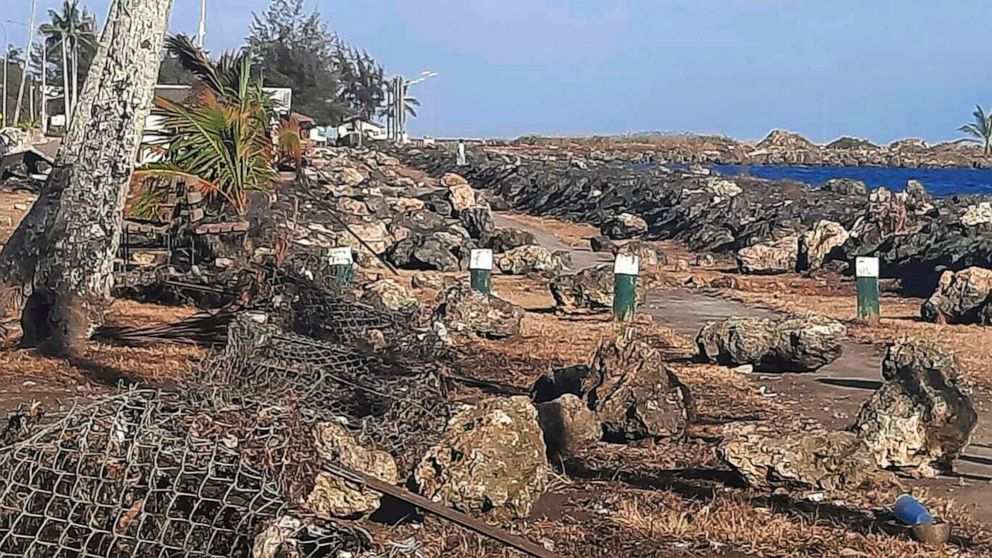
point(922, 417)
point(793, 344)
point(915, 236)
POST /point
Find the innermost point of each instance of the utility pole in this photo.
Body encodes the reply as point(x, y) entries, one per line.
point(44, 86)
point(24, 71)
point(6, 51)
point(201, 35)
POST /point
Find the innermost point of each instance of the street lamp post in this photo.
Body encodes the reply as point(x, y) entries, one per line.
point(6, 51)
point(402, 86)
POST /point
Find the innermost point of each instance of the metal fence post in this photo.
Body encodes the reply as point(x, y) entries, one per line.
point(481, 270)
point(342, 265)
point(625, 271)
point(869, 307)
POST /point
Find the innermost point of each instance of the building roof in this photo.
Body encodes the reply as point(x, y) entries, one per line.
point(174, 93)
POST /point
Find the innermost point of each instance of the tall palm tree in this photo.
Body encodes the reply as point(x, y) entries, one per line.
point(70, 29)
point(980, 130)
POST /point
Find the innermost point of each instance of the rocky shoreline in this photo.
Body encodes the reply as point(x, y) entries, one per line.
point(778, 148)
point(917, 236)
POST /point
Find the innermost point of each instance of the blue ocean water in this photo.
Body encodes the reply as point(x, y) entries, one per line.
point(937, 181)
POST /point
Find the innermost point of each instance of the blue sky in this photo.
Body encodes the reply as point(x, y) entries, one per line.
point(883, 70)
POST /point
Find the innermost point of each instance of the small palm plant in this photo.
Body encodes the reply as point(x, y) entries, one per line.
point(980, 130)
point(220, 143)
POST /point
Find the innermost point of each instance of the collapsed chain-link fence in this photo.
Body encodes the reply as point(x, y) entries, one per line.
point(146, 473)
point(396, 406)
point(213, 467)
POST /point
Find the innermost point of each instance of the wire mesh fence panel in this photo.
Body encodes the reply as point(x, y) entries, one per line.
point(398, 408)
point(155, 474)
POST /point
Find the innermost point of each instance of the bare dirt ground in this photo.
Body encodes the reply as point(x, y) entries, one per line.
point(654, 499)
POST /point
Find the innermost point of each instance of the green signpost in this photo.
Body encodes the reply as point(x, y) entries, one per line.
point(480, 269)
point(342, 265)
point(869, 307)
point(625, 271)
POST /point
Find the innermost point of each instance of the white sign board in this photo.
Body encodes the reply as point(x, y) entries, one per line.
point(340, 256)
point(57, 120)
point(481, 259)
point(626, 264)
point(866, 267)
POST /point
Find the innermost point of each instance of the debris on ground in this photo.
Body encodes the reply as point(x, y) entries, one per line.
point(624, 226)
point(780, 256)
point(569, 426)
point(821, 244)
point(146, 472)
point(922, 417)
point(648, 255)
point(464, 310)
point(767, 457)
point(636, 395)
point(491, 460)
point(529, 259)
point(335, 497)
point(389, 295)
point(800, 343)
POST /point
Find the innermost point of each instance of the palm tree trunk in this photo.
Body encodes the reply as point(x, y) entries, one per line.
point(66, 246)
point(66, 94)
point(75, 71)
point(24, 70)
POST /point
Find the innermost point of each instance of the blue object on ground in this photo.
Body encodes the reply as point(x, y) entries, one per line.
point(910, 511)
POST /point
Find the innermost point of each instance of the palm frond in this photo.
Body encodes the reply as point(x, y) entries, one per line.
point(193, 59)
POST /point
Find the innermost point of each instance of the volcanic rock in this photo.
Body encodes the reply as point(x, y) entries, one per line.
point(961, 297)
point(335, 497)
point(491, 460)
point(624, 226)
point(766, 457)
point(389, 295)
point(977, 214)
point(478, 221)
point(460, 194)
point(649, 255)
point(602, 244)
point(922, 417)
point(462, 309)
point(422, 251)
point(506, 239)
point(846, 186)
point(795, 344)
point(573, 380)
point(529, 259)
point(780, 256)
point(589, 289)
point(819, 244)
point(635, 395)
point(569, 426)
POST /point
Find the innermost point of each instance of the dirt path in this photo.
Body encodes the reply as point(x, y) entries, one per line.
point(831, 395)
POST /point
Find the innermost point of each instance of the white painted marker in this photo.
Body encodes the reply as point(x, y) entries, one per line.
point(340, 256)
point(866, 267)
point(627, 264)
point(481, 258)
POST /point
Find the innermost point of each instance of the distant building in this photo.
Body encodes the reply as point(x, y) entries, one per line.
point(352, 127)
